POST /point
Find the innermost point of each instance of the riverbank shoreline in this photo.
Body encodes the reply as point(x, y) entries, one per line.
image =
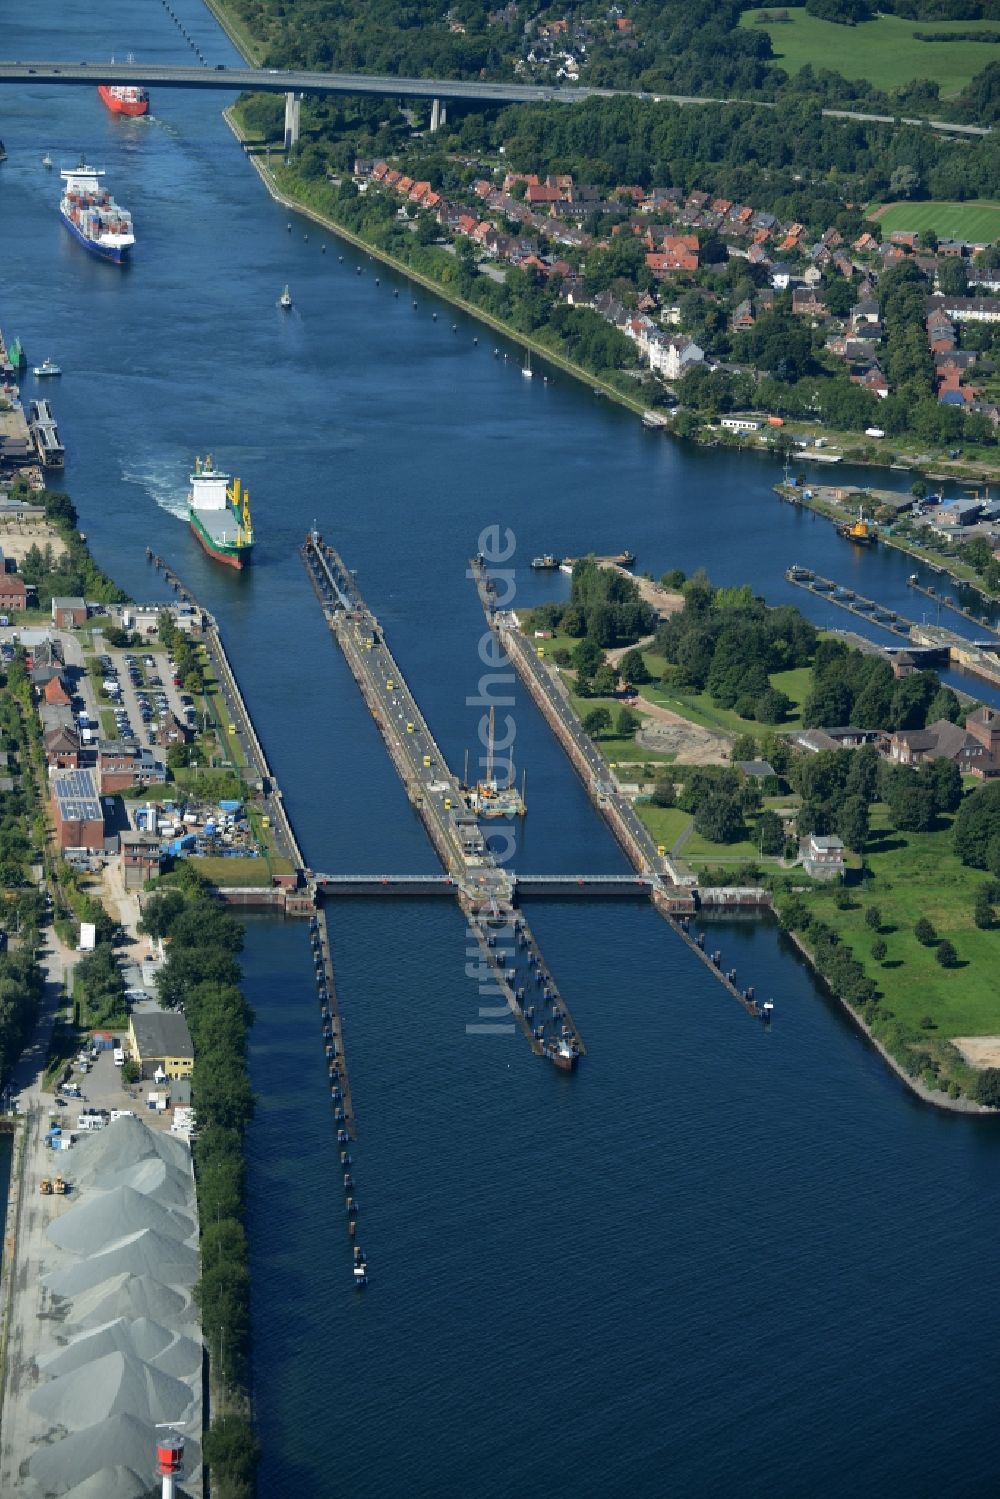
point(926, 1095)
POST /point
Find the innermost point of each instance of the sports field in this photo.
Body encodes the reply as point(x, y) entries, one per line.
point(884, 51)
point(978, 221)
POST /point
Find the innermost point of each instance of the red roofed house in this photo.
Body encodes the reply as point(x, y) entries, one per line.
point(13, 593)
point(55, 693)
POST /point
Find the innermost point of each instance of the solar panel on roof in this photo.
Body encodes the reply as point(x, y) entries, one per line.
point(76, 793)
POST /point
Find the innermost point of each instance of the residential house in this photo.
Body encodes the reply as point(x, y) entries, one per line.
point(673, 357)
point(13, 593)
point(806, 303)
point(822, 858)
point(781, 275)
point(62, 748)
point(743, 317)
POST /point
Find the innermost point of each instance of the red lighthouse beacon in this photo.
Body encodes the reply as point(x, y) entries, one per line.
point(169, 1461)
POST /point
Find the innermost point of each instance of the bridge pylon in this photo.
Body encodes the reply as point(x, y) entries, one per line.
point(293, 107)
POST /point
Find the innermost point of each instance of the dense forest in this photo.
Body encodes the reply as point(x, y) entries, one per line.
point(670, 46)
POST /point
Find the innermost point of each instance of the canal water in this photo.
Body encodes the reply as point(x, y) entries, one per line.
point(717, 1258)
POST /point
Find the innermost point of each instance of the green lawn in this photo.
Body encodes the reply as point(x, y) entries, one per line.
point(914, 875)
point(699, 708)
point(231, 872)
point(665, 823)
point(883, 51)
point(978, 221)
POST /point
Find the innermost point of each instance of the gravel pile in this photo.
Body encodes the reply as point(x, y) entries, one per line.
point(124, 1351)
point(119, 1384)
point(161, 1348)
point(122, 1443)
point(111, 1483)
point(107, 1217)
point(133, 1296)
point(143, 1253)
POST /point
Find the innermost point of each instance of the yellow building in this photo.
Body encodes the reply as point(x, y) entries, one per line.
point(159, 1040)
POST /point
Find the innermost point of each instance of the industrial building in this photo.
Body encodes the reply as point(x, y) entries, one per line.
point(76, 809)
point(160, 1042)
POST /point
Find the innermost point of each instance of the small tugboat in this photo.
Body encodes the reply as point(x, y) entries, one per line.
point(545, 564)
point(47, 162)
point(859, 531)
point(47, 367)
point(285, 300)
point(526, 369)
point(562, 1054)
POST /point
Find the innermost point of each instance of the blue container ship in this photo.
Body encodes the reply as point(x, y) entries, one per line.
point(94, 218)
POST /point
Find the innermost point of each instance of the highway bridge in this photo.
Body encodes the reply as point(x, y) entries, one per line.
point(296, 83)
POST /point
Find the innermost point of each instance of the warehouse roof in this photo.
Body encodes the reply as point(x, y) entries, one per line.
point(76, 797)
point(161, 1033)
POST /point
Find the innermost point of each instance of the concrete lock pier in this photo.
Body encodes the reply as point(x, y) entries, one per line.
point(511, 968)
point(655, 874)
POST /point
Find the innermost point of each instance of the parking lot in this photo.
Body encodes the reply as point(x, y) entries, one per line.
point(141, 690)
point(102, 1088)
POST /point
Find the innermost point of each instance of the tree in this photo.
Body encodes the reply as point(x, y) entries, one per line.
point(132, 1072)
point(632, 668)
point(773, 706)
point(977, 827)
point(664, 792)
point(720, 818)
point(587, 657)
point(605, 681)
point(986, 1088)
point(912, 806)
point(873, 918)
point(627, 723)
point(770, 833)
point(597, 722)
point(945, 779)
point(879, 950)
point(946, 955)
point(852, 823)
point(904, 182)
point(924, 932)
point(984, 914)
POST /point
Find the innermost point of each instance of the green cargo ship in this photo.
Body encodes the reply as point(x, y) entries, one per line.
point(219, 514)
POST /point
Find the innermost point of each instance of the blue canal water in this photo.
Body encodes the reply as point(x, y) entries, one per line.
point(717, 1259)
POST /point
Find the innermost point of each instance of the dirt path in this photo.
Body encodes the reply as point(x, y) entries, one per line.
point(663, 729)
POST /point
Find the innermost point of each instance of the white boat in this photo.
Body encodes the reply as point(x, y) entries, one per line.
point(47, 367)
point(526, 369)
point(47, 161)
point(285, 300)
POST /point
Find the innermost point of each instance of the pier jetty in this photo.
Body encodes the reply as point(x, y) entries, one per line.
point(511, 967)
point(978, 657)
point(676, 901)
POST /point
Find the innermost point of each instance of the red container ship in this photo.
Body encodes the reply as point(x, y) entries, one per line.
point(127, 99)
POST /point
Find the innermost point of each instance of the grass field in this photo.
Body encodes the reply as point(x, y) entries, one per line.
point(883, 51)
point(233, 872)
point(914, 875)
point(978, 221)
point(665, 823)
point(699, 708)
